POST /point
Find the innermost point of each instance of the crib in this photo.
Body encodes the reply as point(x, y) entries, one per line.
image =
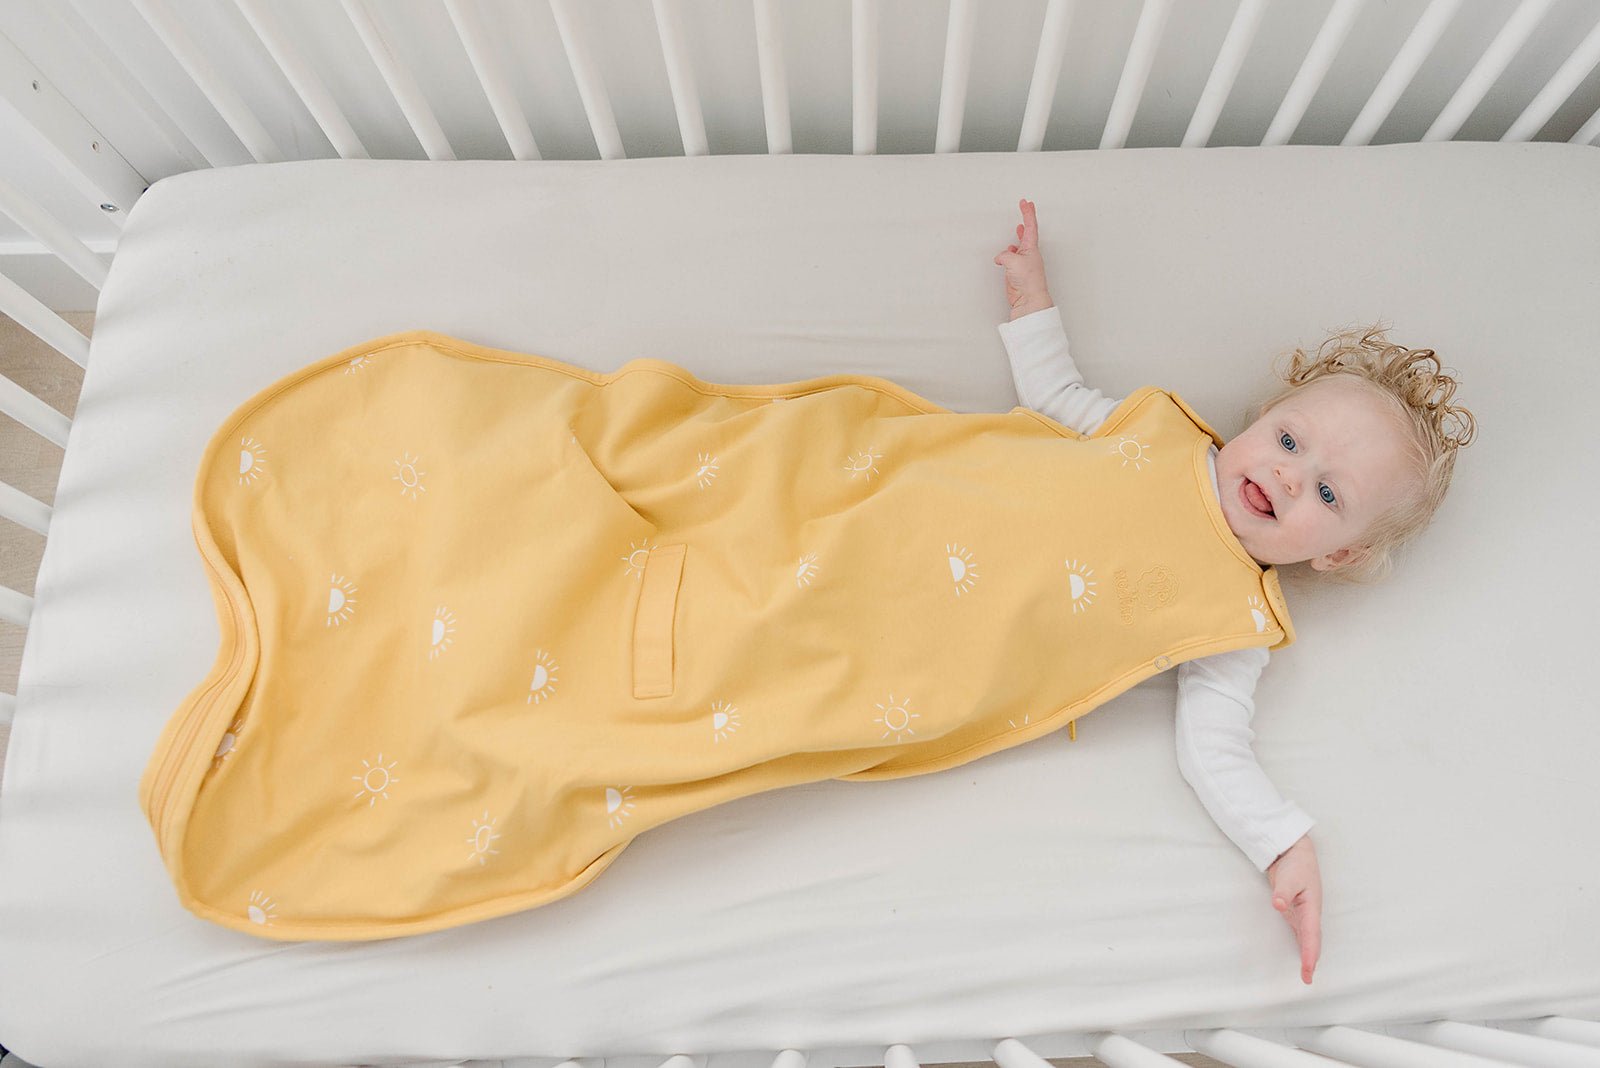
point(235, 189)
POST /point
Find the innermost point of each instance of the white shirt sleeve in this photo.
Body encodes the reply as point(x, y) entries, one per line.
point(1046, 378)
point(1215, 702)
point(1214, 754)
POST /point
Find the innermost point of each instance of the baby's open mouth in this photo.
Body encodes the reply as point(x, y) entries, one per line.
point(1255, 500)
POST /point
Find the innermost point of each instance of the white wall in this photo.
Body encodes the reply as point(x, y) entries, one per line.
point(623, 36)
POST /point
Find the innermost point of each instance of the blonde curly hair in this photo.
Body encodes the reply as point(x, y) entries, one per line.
point(1417, 389)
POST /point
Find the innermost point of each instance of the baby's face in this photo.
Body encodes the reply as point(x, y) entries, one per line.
point(1330, 459)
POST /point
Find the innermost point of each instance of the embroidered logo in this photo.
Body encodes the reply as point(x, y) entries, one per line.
point(1154, 589)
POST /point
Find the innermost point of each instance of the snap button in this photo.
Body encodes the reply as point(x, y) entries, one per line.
point(1163, 663)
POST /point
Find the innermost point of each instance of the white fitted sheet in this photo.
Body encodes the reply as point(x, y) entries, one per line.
point(1442, 728)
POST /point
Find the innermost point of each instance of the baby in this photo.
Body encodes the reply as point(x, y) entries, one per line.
point(1342, 467)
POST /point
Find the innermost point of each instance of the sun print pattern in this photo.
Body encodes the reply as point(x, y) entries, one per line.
point(252, 461)
point(376, 780)
point(1132, 450)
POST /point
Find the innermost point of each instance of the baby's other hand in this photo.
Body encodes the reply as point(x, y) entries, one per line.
point(1026, 289)
point(1297, 893)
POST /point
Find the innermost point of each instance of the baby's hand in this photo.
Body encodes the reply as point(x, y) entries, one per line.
point(1026, 289)
point(1297, 893)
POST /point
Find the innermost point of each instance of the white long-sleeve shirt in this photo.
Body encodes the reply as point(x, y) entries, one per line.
point(1214, 692)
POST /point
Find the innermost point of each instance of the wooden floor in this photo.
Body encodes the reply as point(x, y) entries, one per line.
point(33, 465)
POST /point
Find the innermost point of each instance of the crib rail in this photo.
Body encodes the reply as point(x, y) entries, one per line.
point(1546, 1042)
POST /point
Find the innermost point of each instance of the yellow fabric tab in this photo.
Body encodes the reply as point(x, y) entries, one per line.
point(652, 625)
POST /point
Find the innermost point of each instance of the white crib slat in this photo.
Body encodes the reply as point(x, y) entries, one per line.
point(468, 21)
point(47, 326)
point(15, 607)
point(1248, 1051)
point(1419, 44)
point(1588, 132)
point(1355, 1045)
point(1046, 74)
point(1561, 1028)
point(1008, 1052)
point(899, 1056)
point(413, 104)
point(1529, 1050)
point(865, 16)
point(685, 1060)
point(1335, 28)
point(1135, 72)
point(596, 102)
point(1560, 86)
point(29, 215)
point(312, 92)
point(680, 76)
point(957, 73)
point(774, 79)
point(1120, 1051)
point(1246, 19)
point(64, 137)
point(24, 510)
point(229, 104)
point(98, 54)
point(32, 412)
point(1512, 36)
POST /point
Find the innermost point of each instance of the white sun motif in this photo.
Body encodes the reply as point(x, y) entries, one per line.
point(805, 569)
point(357, 364)
point(341, 600)
point(252, 461)
point(262, 910)
point(724, 721)
point(619, 804)
point(896, 718)
point(637, 556)
point(707, 473)
point(544, 679)
point(376, 780)
point(409, 477)
point(230, 739)
point(482, 835)
point(1132, 450)
point(444, 628)
point(1082, 586)
point(962, 572)
point(863, 463)
point(1258, 612)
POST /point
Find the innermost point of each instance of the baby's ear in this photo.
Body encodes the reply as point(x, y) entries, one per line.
point(1338, 558)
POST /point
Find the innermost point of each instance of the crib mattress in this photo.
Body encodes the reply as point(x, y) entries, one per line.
point(1440, 727)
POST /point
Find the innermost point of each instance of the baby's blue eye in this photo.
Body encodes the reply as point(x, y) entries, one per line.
point(1329, 499)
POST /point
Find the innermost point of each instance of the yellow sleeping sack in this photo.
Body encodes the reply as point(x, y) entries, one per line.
point(487, 616)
